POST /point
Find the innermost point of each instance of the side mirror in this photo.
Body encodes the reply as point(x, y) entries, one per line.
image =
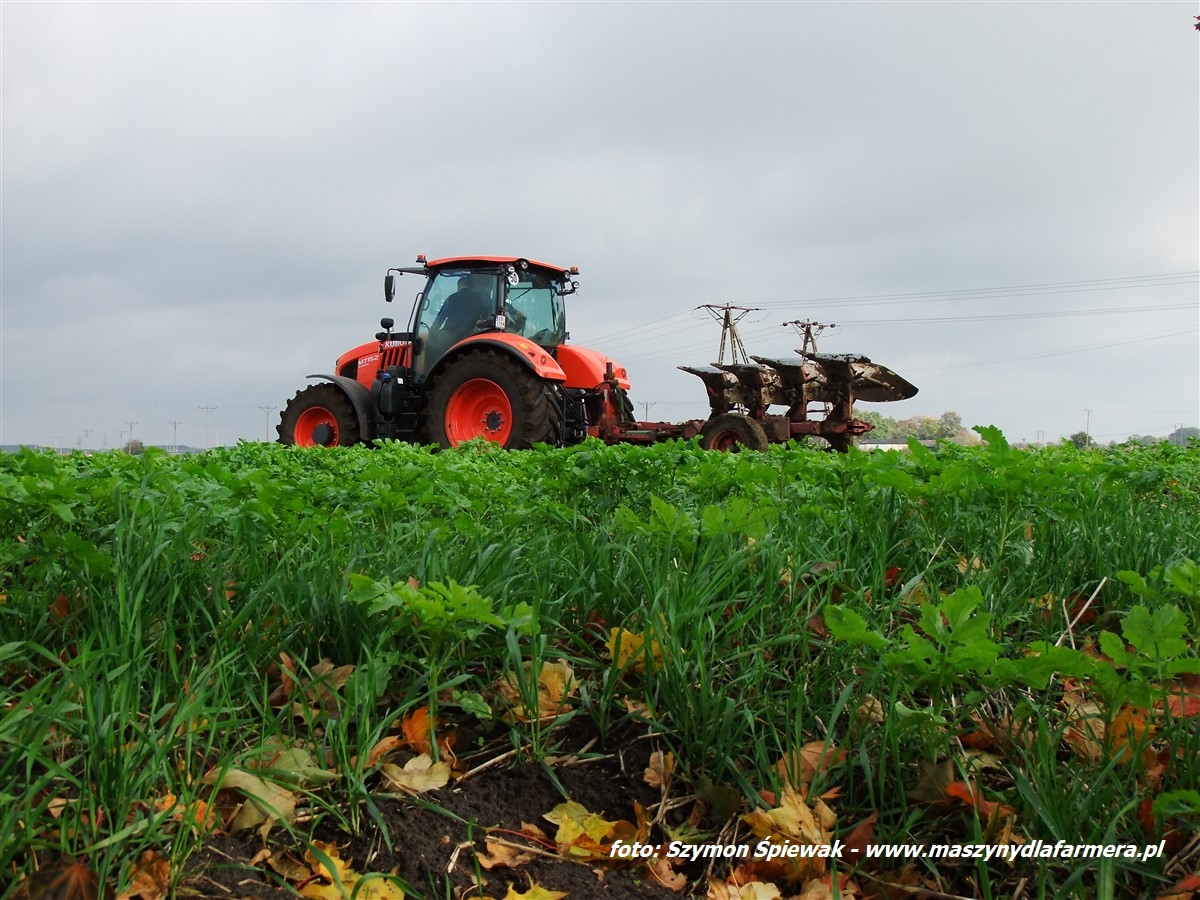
point(389, 288)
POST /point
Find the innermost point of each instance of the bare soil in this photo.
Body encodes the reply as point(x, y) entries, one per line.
point(432, 843)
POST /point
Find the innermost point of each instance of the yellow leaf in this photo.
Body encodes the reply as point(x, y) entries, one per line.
point(975, 564)
point(793, 821)
point(326, 863)
point(556, 687)
point(419, 774)
point(535, 892)
point(628, 650)
point(376, 887)
point(580, 832)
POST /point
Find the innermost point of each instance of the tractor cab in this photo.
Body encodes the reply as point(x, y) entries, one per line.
point(465, 297)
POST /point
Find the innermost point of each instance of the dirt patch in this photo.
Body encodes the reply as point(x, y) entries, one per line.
point(433, 843)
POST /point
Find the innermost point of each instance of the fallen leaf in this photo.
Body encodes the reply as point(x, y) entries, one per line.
point(793, 821)
point(417, 727)
point(318, 694)
point(933, 781)
point(382, 750)
point(665, 876)
point(67, 879)
point(266, 803)
point(535, 892)
point(288, 866)
point(799, 767)
point(755, 890)
point(150, 878)
point(556, 688)
point(506, 855)
point(972, 795)
point(580, 831)
point(294, 767)
point(871, 710)
point(627, 649)
point(660, 769)
point(419, 774)
point(1128, 730)
point(859, 838)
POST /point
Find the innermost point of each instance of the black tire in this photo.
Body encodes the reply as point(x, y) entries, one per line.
point(840, 443)
point(489, 394)
point(319, 416)
point(732, 432)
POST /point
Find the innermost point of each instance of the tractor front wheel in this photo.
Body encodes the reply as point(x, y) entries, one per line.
point(319, 416)
point(732, 432)
point(488, 394)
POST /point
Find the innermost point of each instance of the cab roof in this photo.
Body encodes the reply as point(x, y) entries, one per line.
point(493, 260)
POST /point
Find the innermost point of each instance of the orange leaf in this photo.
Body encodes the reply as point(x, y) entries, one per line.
point(860, 837)
point(67, 879)
point(973, 796)
point(799, 767)
point(379, 752)
point(151, 878)
point(416, 728)
point(1130, 729)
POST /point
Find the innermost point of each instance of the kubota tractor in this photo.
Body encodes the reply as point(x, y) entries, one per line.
point(486, 355)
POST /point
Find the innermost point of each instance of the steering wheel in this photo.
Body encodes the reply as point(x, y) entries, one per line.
point(516, 318)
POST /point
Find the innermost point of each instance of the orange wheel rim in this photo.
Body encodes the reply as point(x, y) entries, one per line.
point(308, 423)
point(479, 408)
point(726, 440)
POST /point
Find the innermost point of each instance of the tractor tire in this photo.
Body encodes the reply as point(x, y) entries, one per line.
point(732, 432)
point(319, 416)
point(489, 394)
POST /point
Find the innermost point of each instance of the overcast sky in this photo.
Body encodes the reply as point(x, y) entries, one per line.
point(999, 201)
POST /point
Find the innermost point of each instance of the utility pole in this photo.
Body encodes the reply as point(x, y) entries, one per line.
point(808, 331)
point(207, 410)
point(725, 315)
point(174, 436)
point(267, 410)
point(646, 404)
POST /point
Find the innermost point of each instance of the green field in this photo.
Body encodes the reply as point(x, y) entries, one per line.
point(975, 645)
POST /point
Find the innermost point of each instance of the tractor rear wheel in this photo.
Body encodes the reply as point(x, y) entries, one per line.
point(732, 432)
point(488, 394)
point(319, 416)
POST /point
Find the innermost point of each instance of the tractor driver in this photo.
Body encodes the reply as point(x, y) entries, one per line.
point(465, 309)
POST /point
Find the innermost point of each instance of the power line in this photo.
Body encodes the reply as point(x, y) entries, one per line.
point(1045, 314)
point(1020, 290)
point(1082, 349)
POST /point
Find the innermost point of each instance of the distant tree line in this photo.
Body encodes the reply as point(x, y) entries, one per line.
point(947, 427)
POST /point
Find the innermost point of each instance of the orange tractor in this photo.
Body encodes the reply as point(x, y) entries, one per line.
point(486, 355)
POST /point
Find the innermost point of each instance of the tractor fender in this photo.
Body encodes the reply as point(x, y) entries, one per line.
point(529, 353)
point(588, 369)
point(360, 399)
